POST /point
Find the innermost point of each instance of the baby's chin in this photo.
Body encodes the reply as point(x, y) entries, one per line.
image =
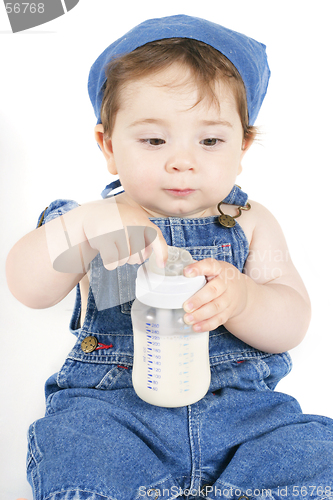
point(181, 214)
point(182, 209)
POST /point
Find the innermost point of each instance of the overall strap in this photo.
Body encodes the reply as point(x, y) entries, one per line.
point(235, 197)
point(108, 191)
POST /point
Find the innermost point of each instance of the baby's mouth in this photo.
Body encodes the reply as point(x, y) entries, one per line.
point(180, 192)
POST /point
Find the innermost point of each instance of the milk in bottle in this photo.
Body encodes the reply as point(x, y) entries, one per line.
point(171, 361)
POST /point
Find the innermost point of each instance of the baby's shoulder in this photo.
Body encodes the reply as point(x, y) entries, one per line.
point(259, 212)
point(259, 224)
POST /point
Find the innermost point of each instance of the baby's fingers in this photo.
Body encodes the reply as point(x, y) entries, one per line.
point(143, 241)
point(211, 291)
point(138, 246)
point(113, 249)
point(205, 267)
point(158, 244)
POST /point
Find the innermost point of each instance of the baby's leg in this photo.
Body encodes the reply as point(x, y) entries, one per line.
point(106, 445)
point(264, 447)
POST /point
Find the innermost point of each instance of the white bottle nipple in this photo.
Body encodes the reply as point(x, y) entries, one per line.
point(178, 258)
point(167, 287)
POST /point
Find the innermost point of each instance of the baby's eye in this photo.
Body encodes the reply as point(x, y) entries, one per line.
point(211, 141)
point(154, 141)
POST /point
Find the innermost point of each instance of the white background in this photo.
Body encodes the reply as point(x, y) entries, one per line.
point(47, 151)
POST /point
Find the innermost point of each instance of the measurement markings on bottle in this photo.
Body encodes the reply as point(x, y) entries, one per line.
point(153, 354)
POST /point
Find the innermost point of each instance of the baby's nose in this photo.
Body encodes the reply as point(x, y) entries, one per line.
point(181, 161)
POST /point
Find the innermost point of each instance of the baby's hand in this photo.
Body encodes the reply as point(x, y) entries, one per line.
point(123, 234)
point(222, 298)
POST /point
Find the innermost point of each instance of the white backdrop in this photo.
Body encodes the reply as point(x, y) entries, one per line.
point(47, 151)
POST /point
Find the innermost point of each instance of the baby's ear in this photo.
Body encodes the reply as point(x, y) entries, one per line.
point(105, 145)
point(250, 138)
point(247, 143)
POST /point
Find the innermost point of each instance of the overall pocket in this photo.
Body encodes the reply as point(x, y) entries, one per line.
point(251, 371)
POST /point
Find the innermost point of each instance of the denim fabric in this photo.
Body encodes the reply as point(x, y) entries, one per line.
point(246, 54)
point(98, 440)
point(56, 209)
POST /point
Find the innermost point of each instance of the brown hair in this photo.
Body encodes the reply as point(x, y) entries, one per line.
point(207, 65)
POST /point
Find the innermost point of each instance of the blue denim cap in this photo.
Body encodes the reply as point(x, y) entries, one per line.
point(247, 55)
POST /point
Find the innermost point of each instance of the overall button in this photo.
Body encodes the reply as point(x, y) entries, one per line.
point(89, 344)
point(152, 492)
point(205, 489)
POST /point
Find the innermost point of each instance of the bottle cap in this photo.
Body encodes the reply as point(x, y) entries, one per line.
point(167, 288)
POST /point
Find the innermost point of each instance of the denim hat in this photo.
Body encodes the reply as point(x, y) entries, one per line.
point(247, 55)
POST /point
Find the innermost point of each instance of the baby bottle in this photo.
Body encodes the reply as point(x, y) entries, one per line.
point(171, 361)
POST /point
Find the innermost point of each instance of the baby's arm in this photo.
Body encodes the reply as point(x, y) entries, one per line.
point(278, 308)
point(30, 274)
point(40, 270)
point(267, 306)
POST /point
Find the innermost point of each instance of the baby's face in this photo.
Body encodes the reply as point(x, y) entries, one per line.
point(175, 158)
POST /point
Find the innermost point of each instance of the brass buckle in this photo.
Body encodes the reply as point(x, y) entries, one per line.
point(229, 221)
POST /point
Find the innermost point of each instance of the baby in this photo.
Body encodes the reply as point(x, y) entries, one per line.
point(176, 101)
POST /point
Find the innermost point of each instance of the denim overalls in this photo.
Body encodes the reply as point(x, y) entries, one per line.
point(99, 441)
